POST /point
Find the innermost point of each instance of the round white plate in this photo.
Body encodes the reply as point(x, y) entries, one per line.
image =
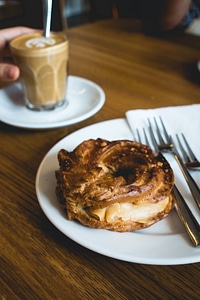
point(85, 98)
point(165, 243)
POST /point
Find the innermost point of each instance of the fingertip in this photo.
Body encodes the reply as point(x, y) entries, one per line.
point(11, 73)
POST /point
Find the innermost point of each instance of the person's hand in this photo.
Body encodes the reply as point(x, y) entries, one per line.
point(9, 71)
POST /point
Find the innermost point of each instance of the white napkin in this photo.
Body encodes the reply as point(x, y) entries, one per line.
point(177, 119)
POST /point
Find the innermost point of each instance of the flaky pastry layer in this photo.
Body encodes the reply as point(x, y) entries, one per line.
point(119, 185)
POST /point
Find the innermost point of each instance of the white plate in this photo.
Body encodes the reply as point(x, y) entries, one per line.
point(165, 243)
point(85, 98)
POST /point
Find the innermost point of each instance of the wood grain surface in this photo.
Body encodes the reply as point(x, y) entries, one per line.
point(36, 260)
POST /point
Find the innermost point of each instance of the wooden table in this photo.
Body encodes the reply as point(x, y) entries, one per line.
point(37, 260)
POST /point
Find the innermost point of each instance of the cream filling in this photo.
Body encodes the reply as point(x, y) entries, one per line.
point(129, 211)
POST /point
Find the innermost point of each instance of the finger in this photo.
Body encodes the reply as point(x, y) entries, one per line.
point(6, 35)
point(9, 72)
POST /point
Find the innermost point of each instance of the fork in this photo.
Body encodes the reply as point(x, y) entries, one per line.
point(168, 146)
point(190, 160)
point(189, 221)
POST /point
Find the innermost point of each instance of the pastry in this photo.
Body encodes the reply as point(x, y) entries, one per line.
point(116, 185)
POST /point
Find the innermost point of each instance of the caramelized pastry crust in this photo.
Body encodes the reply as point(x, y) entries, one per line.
point(118, 185)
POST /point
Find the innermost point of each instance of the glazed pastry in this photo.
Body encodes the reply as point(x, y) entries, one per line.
point(118, 185)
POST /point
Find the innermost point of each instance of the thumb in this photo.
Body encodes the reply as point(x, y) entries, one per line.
point(9, 72)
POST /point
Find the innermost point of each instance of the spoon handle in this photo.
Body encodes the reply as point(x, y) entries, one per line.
point(47, 11)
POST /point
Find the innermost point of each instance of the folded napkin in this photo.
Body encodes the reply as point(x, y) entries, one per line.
point(177, 119)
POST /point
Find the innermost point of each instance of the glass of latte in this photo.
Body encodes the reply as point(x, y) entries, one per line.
point(43, 69)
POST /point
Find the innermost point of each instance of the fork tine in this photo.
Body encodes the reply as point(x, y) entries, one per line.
point(146, 138)
point(184, 154)
point(153, 139)
point(146, 141)
point(138, 136)
point(192, 156)
point(167, 136)
point(190, 159)
point(158, 132)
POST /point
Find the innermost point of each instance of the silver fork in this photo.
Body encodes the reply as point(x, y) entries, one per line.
point(168, 146)
point(190, 160)
point(190, 223)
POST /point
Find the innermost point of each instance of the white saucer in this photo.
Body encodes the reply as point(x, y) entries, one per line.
point(85, 98)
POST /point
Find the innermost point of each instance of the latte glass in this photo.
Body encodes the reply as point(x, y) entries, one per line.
point(43, 69)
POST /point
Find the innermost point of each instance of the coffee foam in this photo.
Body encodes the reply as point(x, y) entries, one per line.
point(40, 42)
point(36, 41)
